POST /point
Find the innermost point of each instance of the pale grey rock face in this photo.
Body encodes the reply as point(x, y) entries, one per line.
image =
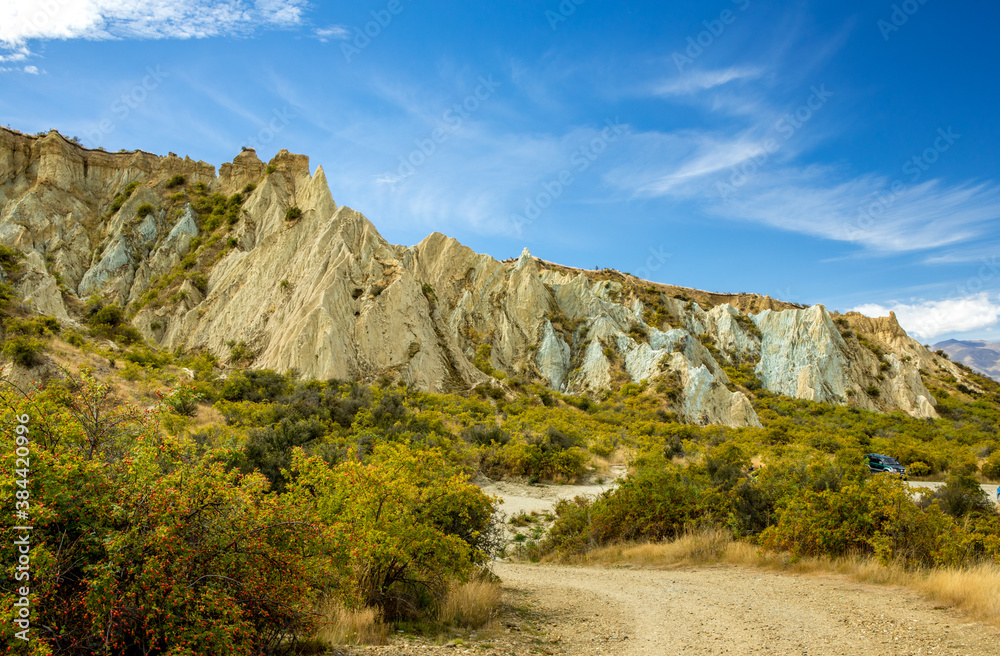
point(732, 338)
point(327, 296)
point(553, 358)
point(595, 370)
point(116, 261)
point(802, 354)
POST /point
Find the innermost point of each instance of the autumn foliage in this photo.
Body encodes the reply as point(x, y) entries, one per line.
point(150, 543)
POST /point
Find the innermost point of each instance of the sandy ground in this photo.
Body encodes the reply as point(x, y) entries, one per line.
point(991, 490)
point(542, 497)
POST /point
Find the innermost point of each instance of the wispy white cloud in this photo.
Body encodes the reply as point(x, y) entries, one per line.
point(16, 54)
point(31, 70)
point(753, 174)
point(681, 164)
point(22, 21)
point(816, 201)
point(929, 319)
point(334, 32)
point(701, 80)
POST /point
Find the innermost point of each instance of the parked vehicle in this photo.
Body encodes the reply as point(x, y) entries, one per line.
point(879, 464)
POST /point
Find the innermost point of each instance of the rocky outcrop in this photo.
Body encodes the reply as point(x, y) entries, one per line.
point(319, 291)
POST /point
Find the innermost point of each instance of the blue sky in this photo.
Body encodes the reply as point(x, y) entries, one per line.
point(835, 152)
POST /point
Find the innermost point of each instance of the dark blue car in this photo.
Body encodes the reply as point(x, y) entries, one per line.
point(877, 464)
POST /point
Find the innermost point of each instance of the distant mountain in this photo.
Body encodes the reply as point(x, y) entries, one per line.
point(984, 357)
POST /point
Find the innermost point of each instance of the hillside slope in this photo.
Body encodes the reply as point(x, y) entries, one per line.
point(260, 265)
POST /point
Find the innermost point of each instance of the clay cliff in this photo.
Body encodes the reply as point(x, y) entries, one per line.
point(260, 263)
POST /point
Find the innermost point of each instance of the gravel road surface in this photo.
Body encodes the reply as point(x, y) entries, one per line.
point(733, 610)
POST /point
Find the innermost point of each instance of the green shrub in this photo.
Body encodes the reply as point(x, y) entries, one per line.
point(572, 531)
point(484, 352)
point(271, 168)
point(183, 400)
point(656, 504)
point(991, 468)
point(484, 435)
point(119, 200)
point(110, 322)
point(147, 358)
point(176, 181)
point(412, 519)
point(293, 213)
point(74, 338)
point(239, 352)
point(25, 351)
point(10, 259)
point(144, 210)
point(200, 282)
point(163, 552)
point(40, 326)
point(961, 494)
point(269, 449)
point(876, 516)
point(110, 316)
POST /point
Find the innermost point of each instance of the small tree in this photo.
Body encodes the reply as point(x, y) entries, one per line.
point(411, 520)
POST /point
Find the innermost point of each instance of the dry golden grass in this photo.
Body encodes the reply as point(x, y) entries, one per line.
point(974, 590)
point(343, 626)
point(699, 548)
point(207, 416)
point(599, 466)
point(471, 605)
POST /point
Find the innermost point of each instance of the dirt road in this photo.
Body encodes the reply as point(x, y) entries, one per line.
point(989, 489)
point(731, 610)
point(623, 611)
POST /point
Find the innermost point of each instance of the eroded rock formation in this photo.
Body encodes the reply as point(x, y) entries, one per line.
point(321, 292)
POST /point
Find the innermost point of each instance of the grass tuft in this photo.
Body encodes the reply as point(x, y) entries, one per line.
point(471, 605)
point(343, 626)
